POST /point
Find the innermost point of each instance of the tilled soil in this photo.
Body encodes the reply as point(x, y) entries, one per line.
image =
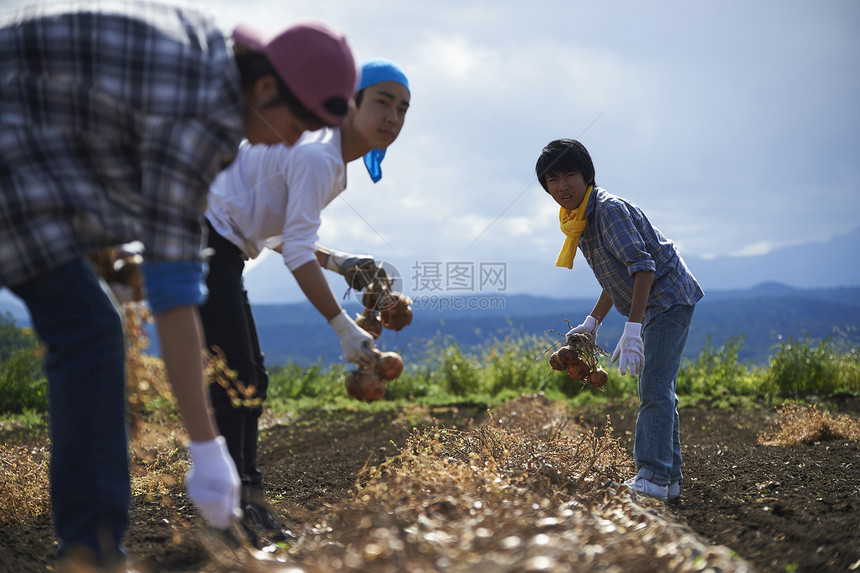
point(779, 508)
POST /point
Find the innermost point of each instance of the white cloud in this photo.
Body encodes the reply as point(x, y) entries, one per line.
point(453, 59)
point(735, 125)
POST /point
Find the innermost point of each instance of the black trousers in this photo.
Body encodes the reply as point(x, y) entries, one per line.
point(228, 324)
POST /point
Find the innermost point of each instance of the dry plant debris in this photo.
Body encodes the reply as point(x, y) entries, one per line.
point(24, 492)
point(217, 372)
point(24, 475)
point(146, 379)
point(527, 492)
point(802, 424)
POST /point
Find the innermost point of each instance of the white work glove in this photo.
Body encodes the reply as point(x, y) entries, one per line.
point(589, 326)
point(630, 352)
point(357, 344)
point(213, 482)
point(358, 270)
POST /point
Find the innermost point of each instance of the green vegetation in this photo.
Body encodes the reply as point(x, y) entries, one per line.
point(499, 371)
point(12, 338)
point(23, 386)
point(717, 374)
point(800, 368)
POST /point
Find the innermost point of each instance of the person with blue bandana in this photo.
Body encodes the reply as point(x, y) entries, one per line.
point(272, 196)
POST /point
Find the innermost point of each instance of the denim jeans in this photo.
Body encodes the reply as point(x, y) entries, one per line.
point(657, 444)
point(85, 366)
point(228, 323)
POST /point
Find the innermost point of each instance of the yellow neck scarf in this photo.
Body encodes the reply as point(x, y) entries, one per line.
point(572, 225)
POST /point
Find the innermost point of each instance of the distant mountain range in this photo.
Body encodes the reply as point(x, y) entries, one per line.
point(813, 265)
point(764, 316)
point(815, 304)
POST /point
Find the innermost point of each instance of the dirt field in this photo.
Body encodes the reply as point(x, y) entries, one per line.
point(779, 509)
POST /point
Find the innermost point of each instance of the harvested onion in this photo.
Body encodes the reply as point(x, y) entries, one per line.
point(365, 385)
point(555, 362)
point(597, 378)
point(399, 314)
point(579, 358)
point(369, 321)
point(578, 368)
point(378, 296)
point(566, 355)
point(389, 365)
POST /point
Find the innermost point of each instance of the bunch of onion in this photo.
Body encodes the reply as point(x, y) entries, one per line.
point(120, 268)
point(579, 358)
point(368, 383)
point(384, 307)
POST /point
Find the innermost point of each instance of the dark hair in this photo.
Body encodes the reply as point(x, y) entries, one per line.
point(255, 65)
point(564, 156)
point(359, 95)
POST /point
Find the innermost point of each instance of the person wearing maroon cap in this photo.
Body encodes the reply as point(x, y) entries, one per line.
point(114, 119)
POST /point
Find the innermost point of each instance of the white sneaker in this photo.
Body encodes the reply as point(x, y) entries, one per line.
point(646, 487)
point(674, 491)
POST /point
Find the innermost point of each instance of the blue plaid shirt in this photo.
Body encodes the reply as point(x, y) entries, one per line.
point(115, 117)
point(619, 241)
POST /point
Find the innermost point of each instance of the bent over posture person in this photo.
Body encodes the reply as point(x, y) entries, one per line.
point(272, 196)
point(644, 277)
point(114, 119)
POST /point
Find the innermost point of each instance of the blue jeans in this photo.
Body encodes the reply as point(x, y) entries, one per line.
point(657, 445)
point(85, 365)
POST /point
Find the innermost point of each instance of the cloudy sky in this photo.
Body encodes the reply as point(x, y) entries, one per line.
point(735, 125)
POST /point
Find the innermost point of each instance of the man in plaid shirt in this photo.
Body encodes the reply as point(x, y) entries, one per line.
point(114, 119)
point(644, 277)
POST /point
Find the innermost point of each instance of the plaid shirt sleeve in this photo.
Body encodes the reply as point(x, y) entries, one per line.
point(115, 118)
point(619, 241)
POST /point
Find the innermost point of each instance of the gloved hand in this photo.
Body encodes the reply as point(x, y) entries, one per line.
point(357, 344)
point(589, 326)
point(358, 270)
point(630, 351)
point(213, 482)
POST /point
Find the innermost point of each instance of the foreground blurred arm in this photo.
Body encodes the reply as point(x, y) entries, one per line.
point(181, 341)
point(212, 482)
point(174, 289)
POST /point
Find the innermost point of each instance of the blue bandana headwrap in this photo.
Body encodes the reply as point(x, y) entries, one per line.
point(373, 72)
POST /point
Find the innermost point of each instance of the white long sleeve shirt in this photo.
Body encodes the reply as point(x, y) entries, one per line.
point(274, 194)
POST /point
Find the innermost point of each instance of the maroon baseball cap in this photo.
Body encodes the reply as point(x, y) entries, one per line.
point(314, 61)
